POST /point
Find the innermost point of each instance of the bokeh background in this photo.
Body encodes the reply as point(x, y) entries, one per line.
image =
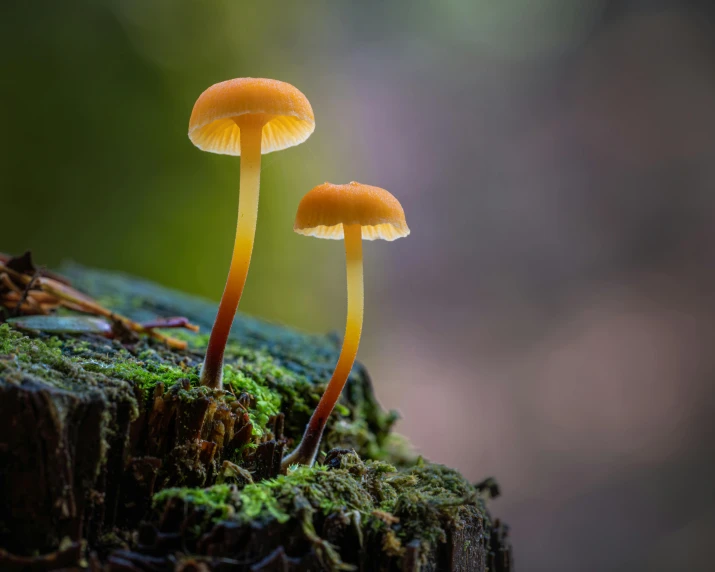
point(550, 321)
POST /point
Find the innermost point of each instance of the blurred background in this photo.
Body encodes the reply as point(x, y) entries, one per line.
point(550, 321)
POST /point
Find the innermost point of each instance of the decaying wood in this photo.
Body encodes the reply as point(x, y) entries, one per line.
point(79, 465)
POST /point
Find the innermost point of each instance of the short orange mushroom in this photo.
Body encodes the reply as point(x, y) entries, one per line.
point(353, 212)
point(247, 117)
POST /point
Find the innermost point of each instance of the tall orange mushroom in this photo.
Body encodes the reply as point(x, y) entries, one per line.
point(247, 117)
point(351, 212)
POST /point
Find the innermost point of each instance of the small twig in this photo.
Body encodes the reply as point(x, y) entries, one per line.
point(16, 298)
point(26, 292)
point(174, 322)
point(9, 284)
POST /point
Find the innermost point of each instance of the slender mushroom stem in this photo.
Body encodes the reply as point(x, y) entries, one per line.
point(251, 129)
point(306, 451)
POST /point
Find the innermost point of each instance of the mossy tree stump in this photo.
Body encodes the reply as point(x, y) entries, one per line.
point(112, 457)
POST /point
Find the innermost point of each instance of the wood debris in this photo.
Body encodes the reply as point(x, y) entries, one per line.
point(27, 290)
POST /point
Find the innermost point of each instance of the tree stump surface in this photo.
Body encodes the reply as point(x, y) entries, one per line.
point(112, 457)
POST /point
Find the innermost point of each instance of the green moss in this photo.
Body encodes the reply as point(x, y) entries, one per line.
point(267, 400)
point(69, 362)
point(146, 374)
point(43, 359)
point(257, 501)
point(439, 496)
point(217, 501)
point(14, 343)
point(420, 502)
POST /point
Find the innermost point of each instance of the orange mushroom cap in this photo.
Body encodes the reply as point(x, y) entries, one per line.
point(326, 208)
point(213, 125)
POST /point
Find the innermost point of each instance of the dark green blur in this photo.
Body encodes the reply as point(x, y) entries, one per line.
point(96, 165)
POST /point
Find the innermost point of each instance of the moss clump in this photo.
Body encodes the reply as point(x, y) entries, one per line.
point(399, 506)
point(217, 501)
point(430, 497)
point(46, 359)
point(72, 362)
point(15, 345)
